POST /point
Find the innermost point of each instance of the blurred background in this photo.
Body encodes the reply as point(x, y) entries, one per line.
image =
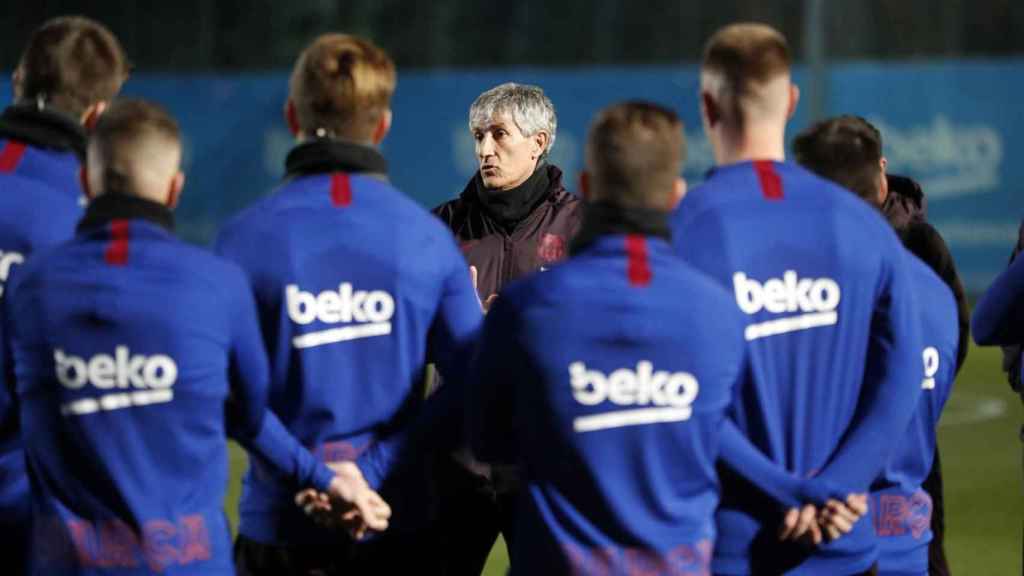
point(942, 79)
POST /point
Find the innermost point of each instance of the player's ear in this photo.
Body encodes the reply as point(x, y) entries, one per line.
point(92, 114)
point(794, 99)
point(585, 192)
point(176, 186)
point(678, 193)
point(383, 127)
point(291, 117)
point(18, 82)
point(709, 109)
point(883, 184)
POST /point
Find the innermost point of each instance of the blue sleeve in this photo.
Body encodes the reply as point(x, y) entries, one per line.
point(451, 340)
point(8, 407)
point(491, 401)
point(892, 383)
point(999, 315)
point(276, 445)
point(250, 421)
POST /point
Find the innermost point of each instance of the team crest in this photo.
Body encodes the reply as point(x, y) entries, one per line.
point(551, 248)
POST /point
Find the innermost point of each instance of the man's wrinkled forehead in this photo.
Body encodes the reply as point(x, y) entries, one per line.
point(499, 119)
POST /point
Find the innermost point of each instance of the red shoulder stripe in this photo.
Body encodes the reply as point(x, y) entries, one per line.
point(771, 182)
point(117, 250)
point(10, 155)
point(638, 267)
point(341, 189)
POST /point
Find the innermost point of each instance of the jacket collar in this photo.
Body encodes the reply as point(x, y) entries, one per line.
point(114, 206)
point(43, 128)
point(509, 208)
point(324, 155)
point(602, 219)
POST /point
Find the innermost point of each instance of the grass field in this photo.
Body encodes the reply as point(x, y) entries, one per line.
point(981, 457)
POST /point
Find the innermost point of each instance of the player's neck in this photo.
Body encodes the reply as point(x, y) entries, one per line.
point(756, 143)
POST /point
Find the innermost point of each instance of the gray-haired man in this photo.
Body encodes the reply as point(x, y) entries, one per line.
point(513, 218)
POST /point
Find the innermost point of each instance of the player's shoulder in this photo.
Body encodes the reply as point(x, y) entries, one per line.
point(927, 283)
point(202, 270)
point(32, 194)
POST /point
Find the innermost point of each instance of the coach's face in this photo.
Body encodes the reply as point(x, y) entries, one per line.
point(507, 157)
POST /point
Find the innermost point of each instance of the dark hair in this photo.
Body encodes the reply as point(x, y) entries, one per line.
point(71, 63)
point(846, 150)
point(745, 54)
point(342, 84)
point(119, 133)
point(635, 152)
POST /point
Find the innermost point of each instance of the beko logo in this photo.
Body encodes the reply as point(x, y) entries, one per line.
point(144, 379)
point(652, 396)
point(364, 313)
point(812, 302)
point(7, 261)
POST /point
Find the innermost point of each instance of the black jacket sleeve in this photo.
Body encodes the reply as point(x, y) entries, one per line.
point(1012, 354)
point(922, 239)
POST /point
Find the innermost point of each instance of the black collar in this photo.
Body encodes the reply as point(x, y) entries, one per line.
point(510, 207)
point(322, 156)
point(114, 206)
point(43, 129)
point(602, 218)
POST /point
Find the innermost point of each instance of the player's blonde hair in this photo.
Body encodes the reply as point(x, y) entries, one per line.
point(342, 84)
point(744, 57)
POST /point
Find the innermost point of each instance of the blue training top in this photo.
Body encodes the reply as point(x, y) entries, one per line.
point(833, 339)
point(900, 509)
point(607, 378)
point(127, 349)
point(358, 288)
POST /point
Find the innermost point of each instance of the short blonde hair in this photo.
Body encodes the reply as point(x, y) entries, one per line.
point(342, 84)
point(745, 56)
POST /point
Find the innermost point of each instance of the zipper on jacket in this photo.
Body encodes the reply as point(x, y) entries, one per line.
point(506, 264)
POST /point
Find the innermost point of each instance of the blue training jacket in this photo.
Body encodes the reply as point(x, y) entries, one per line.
point(900, 509)
point(127, 348)
point(358, 288)
point(607, 378)
point(998, 317)
point(833, 340)
point(39, 206)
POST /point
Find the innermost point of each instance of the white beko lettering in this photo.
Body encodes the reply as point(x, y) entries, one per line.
point(809, 302)
point(653, 396)
point(7, 261)
point(931, 367)
point(151, 379)
point(365, 314)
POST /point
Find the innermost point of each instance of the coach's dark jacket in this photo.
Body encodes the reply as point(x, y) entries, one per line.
point(508, 234)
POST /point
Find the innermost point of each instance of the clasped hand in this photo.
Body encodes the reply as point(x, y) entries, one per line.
point(349, 503)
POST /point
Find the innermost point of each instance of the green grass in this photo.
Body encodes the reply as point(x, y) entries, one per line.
point(981, 458)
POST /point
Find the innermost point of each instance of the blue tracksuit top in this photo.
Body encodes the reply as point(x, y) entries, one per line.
point(39, 207)
point(358, 288)
point(900, 510)
point(833, 345)
point(127, 349)
point(998, 317)
point(607, 378)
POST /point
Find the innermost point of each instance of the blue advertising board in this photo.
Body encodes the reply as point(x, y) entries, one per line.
point(956, 126)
